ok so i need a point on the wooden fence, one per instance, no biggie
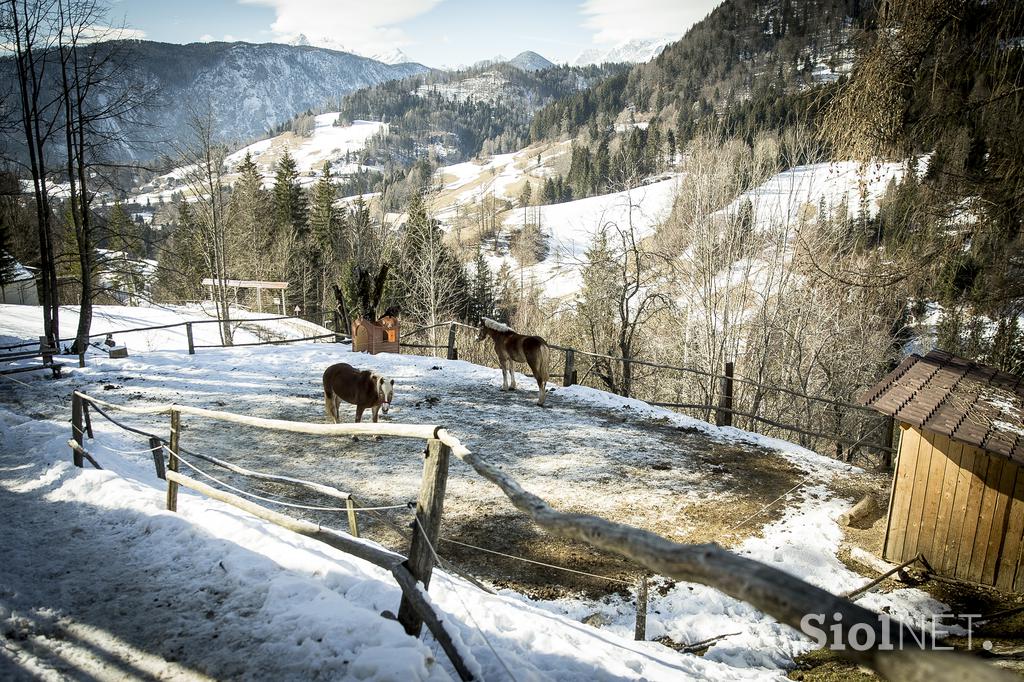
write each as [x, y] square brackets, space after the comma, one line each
[775, 592]
[866, 430]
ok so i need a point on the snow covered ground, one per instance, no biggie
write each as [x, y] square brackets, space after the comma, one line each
[123, 588]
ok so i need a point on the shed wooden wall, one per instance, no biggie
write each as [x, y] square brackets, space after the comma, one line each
[960, 507]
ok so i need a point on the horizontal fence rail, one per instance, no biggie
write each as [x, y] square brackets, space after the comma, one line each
[777, 593]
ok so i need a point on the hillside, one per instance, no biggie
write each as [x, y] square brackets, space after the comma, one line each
[250, 89]
[246, 582]
[746, 65]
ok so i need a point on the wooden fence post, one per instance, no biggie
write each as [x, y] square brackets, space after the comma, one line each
[172, 460]
[428, 522]
[191, 343]
[337, 326]
[76, 429]
[723, 416]
[158, 457]
[44, 348]
[353, 524]
[81, 359]
[640, 629]
[569, 376]
[453, 352]
[88, 419]
[887, 440]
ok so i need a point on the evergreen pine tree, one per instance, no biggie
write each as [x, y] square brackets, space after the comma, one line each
[482, 299]
[289, 206]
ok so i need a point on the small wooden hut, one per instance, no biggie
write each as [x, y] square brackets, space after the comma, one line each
[958, 490]
[376, 337]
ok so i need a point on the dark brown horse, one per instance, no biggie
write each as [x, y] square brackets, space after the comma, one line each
[362, 388]
[512, 346]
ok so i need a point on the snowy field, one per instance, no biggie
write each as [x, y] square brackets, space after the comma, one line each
[123, 588]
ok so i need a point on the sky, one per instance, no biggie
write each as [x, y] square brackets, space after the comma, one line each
[434, 32]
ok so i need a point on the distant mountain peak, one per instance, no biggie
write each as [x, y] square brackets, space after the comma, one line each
[393, 56]
[530, 61]
[636, 51]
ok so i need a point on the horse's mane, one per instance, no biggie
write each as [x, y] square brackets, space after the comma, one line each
[496, 326]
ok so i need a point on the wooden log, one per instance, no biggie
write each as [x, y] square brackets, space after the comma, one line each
[379, 557]
[422, 431]
[640, 628]
[172, 461]
[191, 342]
[853, 594]
[158, 457]
[76, 429]
[863, 514]
[75, 447]
[353, 524]
[429, 507]
[777, 593]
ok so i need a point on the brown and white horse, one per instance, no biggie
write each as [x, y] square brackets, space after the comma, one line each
[512, 346]
[362, 388]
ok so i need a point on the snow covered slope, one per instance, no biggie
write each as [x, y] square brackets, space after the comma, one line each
[213, 592]
[327, 142]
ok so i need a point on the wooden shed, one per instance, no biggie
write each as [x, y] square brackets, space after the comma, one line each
[958, 490]
[376, 337]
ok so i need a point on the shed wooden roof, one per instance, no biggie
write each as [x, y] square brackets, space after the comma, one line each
[963, 400]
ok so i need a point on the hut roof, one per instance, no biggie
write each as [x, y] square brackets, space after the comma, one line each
[963, 400]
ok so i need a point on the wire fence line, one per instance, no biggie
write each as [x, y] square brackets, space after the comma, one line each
[728, 399]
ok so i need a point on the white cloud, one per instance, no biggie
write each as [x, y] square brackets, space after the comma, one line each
[228, 38]
[206, 38]
[614, 21]
[366, 27]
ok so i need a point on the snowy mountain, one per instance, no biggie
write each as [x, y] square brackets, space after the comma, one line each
[530, 61]
[633, 52]
[394, 56]
[248, 88]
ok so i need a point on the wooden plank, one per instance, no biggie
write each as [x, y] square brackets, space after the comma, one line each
[942, 546]
[1009, 560]
[899, 510]
[964, 476]
[1000, 521]
[429, 508]
[970, 526]
[926, 544]
[918, 495]
[985, 519]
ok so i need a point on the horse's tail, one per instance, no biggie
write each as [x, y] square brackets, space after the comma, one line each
[543, 365]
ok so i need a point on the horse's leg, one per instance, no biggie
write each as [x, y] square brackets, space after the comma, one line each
[502, 362]
[512, 374]
[329, 408]
[359, 417]
[376, 408]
